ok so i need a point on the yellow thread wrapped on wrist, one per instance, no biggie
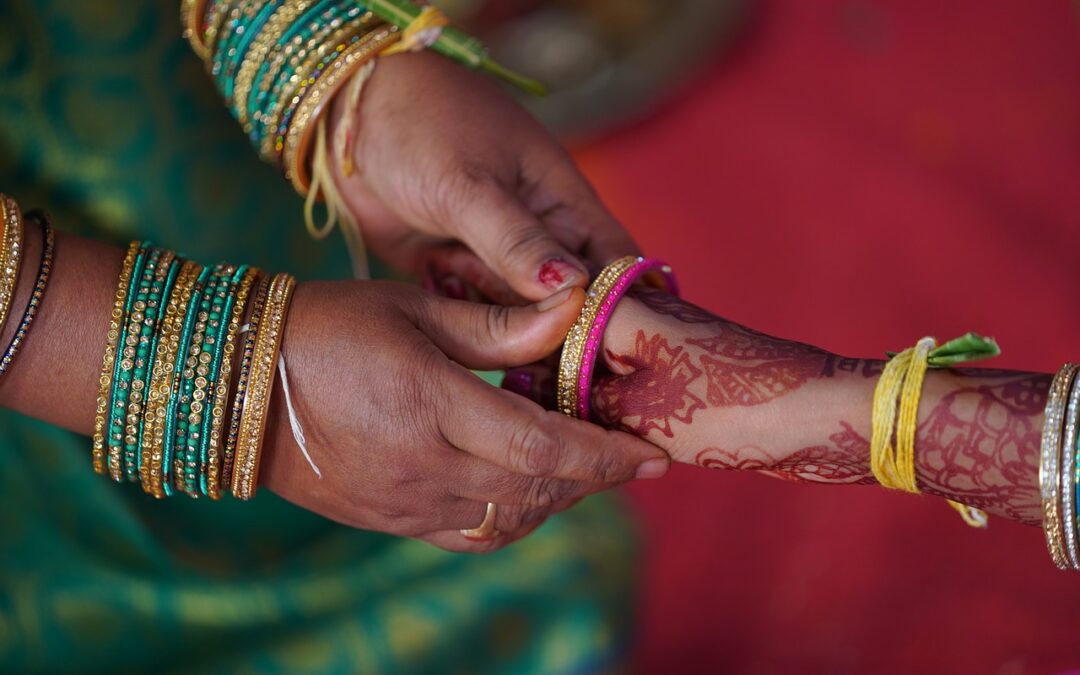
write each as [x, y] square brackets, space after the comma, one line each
[896, 408]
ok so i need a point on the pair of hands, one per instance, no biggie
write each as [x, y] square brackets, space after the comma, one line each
[456, 183]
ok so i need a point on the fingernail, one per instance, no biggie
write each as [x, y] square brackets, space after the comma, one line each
[553, 301]
[453, 288]
[557, 273]
[654, 468]
[519, 382]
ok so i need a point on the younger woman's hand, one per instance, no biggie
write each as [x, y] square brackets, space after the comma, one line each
[412, 443]
[454, 178]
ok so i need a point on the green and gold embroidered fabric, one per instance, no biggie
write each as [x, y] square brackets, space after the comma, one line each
[108, 120]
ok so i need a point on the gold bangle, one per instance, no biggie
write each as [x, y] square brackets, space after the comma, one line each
[260, 387]
[109, 360]
[215, 19]
[163, 380]
[574, 348]
[1050, 463]
[306, 118]
[257, 54]
[221, 388]
[303, 77]
[190, 12]
[11, 247]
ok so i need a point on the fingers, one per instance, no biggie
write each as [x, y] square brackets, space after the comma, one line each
[515, 244]
[521, 437]
[483, 481]
[492, 337]
[511, 523]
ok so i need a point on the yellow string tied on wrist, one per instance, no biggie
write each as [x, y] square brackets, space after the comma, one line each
[896, 411]
[421, 33]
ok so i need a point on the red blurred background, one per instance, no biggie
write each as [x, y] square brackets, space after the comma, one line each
[856, 175]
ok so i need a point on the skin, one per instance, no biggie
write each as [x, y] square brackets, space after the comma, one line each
[408, 440]
[456, 182]
[721, 396]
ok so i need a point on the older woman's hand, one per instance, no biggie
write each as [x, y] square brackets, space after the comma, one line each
[444, 158]
[412, 443]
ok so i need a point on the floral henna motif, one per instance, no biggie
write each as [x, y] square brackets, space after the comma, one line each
[746, 368]
[656, 393]
[980, 446]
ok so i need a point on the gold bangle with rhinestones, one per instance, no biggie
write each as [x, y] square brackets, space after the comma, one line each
[574, 348]
[260, 387]
[109, 360]
[163, 379]
[215, 19]
[302, 126]
[221, 389]
[1050, 463]
[11, 247]
[265, 42]
[303, 76]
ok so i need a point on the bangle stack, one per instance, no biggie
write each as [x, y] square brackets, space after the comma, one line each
[11, 247]
[166, 374]
[278, 62]
[1059, 470]
[578, 359]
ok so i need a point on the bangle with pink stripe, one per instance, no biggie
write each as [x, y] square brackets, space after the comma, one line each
[660, 275]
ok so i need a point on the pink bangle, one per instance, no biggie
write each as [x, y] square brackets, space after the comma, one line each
[578, 359]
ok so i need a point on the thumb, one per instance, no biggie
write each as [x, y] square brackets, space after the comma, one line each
[493, 337]
[515, 244]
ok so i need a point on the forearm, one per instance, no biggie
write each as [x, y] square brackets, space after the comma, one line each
[718, 395]
[55, 375]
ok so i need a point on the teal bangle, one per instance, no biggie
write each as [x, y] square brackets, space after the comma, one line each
[144, 327]
[121, 420]
[270, 69]
[115, 433]
[220, 314]
[239, 14]
[155, 310]
[193, 401]
[302, 37]
[172, 421]
[236, 56]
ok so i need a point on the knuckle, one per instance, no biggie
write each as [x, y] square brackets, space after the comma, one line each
[535, 451]
[548, 492]
[519, 243]
[498, 322]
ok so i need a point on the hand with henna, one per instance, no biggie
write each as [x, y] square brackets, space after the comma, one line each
[722, 396]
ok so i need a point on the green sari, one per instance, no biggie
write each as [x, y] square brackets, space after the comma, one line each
[109, 121]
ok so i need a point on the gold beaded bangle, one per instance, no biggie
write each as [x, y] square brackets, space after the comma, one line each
[191, 12]
[260, 387]
[215, 19]
[574, 348]
[163, 380]
[1050, 463]
[257, 53]
[11, 247]
[221, 389]
[303, 77]
[305, 120]
[109, 360]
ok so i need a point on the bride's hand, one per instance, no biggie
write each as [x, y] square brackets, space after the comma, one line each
[411, 443]
[719, 395]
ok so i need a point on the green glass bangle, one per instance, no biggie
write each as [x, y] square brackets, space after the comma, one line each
[236, 56]
[129, 350]
[303, 36]
[193, 403]
[239, 14]
[172, 419]
[269, 70]
[155, 311]
[221, 316]
[143, 327]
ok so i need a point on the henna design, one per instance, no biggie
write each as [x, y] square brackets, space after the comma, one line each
[670, 305]
[845, 460]
[655, 394]
[747, 368]
[838, 364]
[980, 446]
